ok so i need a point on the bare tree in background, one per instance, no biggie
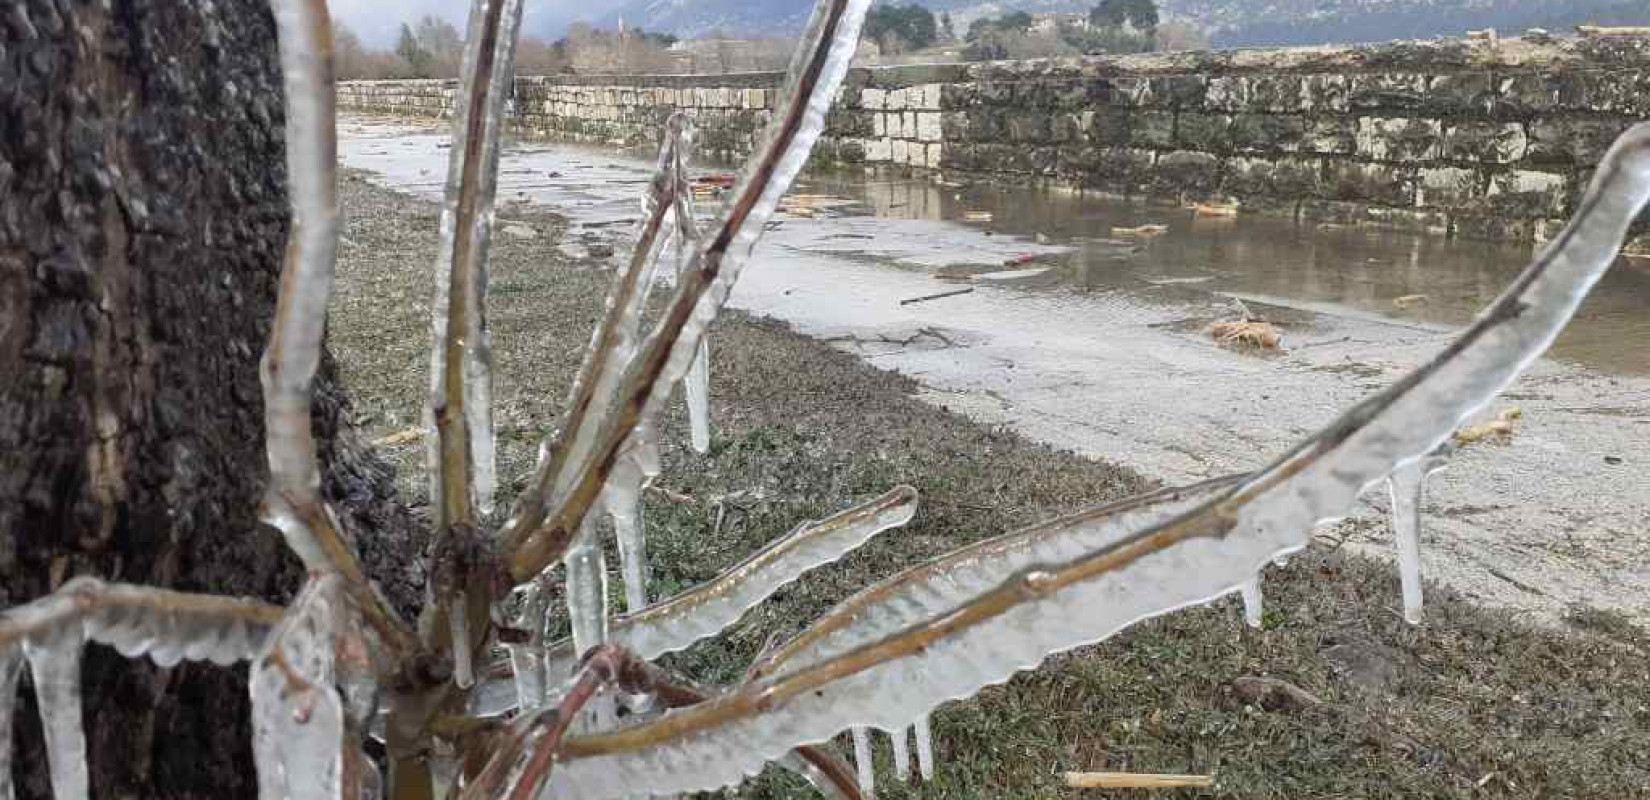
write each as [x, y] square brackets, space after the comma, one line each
[1179, 34]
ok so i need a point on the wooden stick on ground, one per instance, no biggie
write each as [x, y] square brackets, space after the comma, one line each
[1135, 780]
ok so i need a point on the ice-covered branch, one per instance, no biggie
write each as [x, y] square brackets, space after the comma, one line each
[669, 350]
[292, 502]
[459, 412]
[50, 633]
[612, 347]
[1191, 558]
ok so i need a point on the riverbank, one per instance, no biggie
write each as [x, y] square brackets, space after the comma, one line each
[1475, 702]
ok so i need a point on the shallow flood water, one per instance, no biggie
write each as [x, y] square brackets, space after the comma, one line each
[1093, 340]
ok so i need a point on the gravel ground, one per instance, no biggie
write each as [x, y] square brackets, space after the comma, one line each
[1474, 703]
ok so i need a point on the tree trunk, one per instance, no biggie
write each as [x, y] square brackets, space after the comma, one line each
[142, 223]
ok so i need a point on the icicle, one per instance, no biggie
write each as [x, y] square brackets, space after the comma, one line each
[862, 763]
[1252, 609]
[697, 383]
[586, 593]
[54, 663]
[457, 617]
[706, 610]
[901, 740]
[1407, 487]
[527, 659]
[297, 714]
[925, 748]
[626, 511]
[11, 668]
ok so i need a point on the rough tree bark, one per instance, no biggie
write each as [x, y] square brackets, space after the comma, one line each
[142, 223]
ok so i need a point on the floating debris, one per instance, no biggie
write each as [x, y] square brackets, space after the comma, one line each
[925, 298]
[1250, 333]
[1498, 430]
[1141, 231]
[977, 216]
[1410, 301]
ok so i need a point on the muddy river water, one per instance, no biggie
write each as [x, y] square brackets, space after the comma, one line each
[1085, 334]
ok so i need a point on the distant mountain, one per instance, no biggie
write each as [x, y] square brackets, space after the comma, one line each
[1232, 23]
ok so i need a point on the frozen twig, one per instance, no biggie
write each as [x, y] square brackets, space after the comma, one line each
[292, 503]
[669, 350]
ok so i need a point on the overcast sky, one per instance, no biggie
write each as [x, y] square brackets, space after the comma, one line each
[378, 21]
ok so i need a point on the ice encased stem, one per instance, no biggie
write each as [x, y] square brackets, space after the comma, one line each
[297, 713]
[1253, 609]
[54, 663]
[460, 353]
[527, 659]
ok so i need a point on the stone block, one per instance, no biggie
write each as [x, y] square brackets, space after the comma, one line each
[935, 155]
[875, 99]
[1449, 187]
[1153, 129]
[1180, 92]
[1529, 194]
[959, 95]
[898, 151]
[1399, 139]
[1486, 142]
[1111, 126]
[931, 97]
[954, 126]
[1188, 171]
[1207, 132]
[1327, 92]
[1267, 133]
[879, 125]
[1387, 91]
[928, 126]
[1383, 184]
[1277, 94]
[1461, 94]
[1282, 180]
[1331, 136]
[995, 93]
[879, 149]
[1227, 93]
[1570, 141]
[1030, 127]
[895, 100]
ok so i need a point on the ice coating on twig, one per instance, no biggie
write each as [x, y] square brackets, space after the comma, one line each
[863, 764]
[706, 610]
[696, 384]
[624, 505]
[1407, 486]
[936, 586]
[459, 413]
[901, 741]
[164, 625]
[294, 348]
[925, 748]
[11, 669]
[54, 664]
[297, 713]
[1191, 559]
[1253, 608]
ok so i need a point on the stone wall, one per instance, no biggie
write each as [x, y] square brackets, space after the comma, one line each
[1478, 138]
